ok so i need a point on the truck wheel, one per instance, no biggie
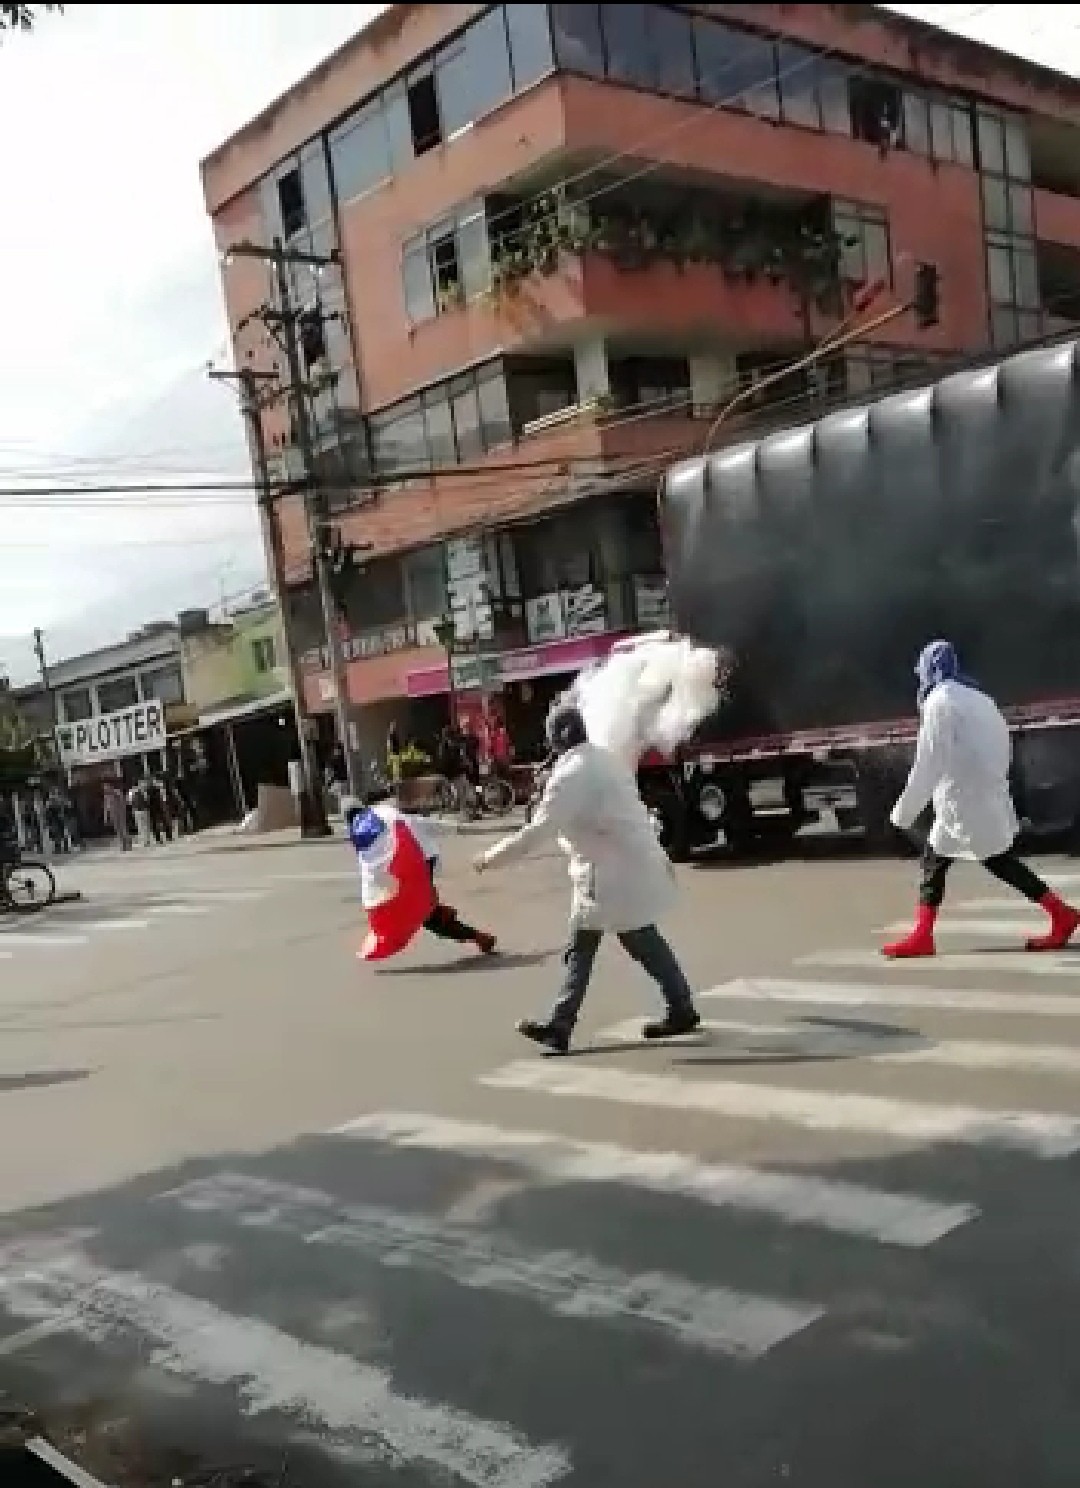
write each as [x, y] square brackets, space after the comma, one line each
[668, 815]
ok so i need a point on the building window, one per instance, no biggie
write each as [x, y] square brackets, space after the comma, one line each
[671, 37]
[876, 109]
[863, 231]
[291, 203]
[399, 438]
[122, 692]
[360, 152]
[736, 67]
[626, 37]
[538, 387]
[798, 86]
[454, 422]
[579, 46]
[165, 685]
[651, 382]
[1012, 273]
[531, 54]
[447, 264]
[473, 73]
[425, 583]
[76, 704]
[264, 654]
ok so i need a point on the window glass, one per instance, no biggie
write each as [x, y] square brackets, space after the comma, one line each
[399, 134]
[425, 583]
[77, 704]
[629, 56]
[999, 274]
[291, 202]
[1003, 325]
[1021, 214]
[166, 685]
[376, 594]
[466, 408]
[440, 428]
[473, 74]
[1017, 158]
[122, 692]
[1026, 279]
[398, 438]
[798, 85]
[1028, 324]
[876, 245]
[991, 144]
[672, 39]
[445, 271]
[995, 204]
[494, 408]
[530, 42]
[539, 386]
[963, 147]
[578, 45]
[833, 83]
[315, 181]
[425, 121]
[736, 67]
[360, 153]
[941, 135]
[474, 249]
[916, 123]
[416, 277]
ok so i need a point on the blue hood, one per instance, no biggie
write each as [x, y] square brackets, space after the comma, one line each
[365, 829]
[939, 663]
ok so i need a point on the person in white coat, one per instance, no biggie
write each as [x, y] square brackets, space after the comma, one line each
[961, 765]
[621, 877]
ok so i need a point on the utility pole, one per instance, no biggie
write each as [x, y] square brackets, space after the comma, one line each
[283, 322]
[313, 821]
[46, 688]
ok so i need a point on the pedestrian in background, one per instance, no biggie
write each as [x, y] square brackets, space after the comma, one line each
[115, 809]
[139, 801]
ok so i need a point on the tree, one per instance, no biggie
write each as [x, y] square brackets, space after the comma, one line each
[22, 17]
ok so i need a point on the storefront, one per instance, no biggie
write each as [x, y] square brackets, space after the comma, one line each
[525, 682]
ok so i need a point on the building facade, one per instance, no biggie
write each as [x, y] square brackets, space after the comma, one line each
[567, 235]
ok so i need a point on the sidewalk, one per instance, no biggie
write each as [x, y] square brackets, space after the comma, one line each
[230, 838]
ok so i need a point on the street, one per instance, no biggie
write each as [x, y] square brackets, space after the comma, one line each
[265, 1205]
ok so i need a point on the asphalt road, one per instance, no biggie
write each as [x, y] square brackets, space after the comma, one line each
[262, 1204]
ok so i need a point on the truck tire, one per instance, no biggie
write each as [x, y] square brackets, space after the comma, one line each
[668, 813]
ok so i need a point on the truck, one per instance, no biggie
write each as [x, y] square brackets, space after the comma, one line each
[823, 557]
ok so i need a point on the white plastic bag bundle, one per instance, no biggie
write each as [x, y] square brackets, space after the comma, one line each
[650, 695]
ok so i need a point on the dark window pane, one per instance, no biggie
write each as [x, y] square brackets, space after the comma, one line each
[466, 419]
[833, 92]
[445, 269]
[77, 705]
[1021, 210]
[876, 241]
[440, 429]
[995, 204]
[120, 693]
[425, 580]
[539, 386]
[798, 85]
[916, 123]
[629, 57]
[315, 181]
[398, 126]
[474, 250]
[578, 46]
[1026, 279]
[494, 409]
[291, 202]
[530, 42]
[672, 39]
[736, 67]
[1003, 325]
[360, 153]
[1017, 158]
[474, 73]
[991, 144]
[999, 275]
[963, 148]
[941, 134]
[1028, 324]
[416, 277]
[399, 440]
[425, 122]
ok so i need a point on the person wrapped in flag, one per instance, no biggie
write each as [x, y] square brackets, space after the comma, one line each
[398, 859]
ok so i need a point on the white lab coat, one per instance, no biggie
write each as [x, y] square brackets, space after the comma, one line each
[962, 765]
[622, 879]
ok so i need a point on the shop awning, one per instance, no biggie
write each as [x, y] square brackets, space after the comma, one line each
[237, 710]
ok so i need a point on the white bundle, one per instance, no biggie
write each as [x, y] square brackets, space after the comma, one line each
[651, 695]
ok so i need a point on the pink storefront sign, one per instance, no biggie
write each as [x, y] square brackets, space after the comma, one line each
[519, 666]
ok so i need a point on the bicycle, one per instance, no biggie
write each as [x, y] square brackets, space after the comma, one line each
[26, 885]
[494, 796]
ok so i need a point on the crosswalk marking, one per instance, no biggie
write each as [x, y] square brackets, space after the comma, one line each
[846, 1208]
[568, 1284]
[1040, 1133]
[114, 924]
[271, 1371]
[1015, 928]
[988, 963]
[887, 1047]
[869, 994]
[178, 909]
[39, 940]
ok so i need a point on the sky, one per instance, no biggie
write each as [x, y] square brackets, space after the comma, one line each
[113, 308]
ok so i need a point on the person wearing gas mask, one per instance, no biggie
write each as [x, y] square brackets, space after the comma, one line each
[961, 765]
[621, 877]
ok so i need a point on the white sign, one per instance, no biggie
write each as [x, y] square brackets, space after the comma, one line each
[109, 736]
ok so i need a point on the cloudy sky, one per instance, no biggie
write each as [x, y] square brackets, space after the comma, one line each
[112, 308]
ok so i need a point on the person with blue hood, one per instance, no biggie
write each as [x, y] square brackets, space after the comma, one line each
[961, 765]
[621, 877]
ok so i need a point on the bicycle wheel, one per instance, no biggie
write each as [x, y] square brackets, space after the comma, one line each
[30, 886]
[497, 795]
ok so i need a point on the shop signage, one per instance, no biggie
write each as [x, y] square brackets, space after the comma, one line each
[475, 671]
[566, 614]
[109, 736]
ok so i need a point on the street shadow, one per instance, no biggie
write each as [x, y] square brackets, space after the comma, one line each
[500, 961]
[39, 1079]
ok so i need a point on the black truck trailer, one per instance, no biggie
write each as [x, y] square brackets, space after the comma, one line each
[824, 557]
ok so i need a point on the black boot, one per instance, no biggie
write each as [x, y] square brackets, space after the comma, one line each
[555, 1039]
[674, 1022]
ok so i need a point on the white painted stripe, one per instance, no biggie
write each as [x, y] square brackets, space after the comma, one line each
[227, 896]
[566, 1284]
[889, 1048]
[68, 1471]
[114, 924]
[1015, 929]
[864, 994]
[1041, 1133]
[178, 909]
[1062, 880]
[272, 1371]
[1006, 903]
[846, 1208]
[988, 963]
[44, 939]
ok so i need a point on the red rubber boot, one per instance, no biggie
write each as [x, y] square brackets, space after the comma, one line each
[1064, 922]
[920, 942]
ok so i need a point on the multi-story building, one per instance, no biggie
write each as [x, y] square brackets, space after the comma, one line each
[567, 234]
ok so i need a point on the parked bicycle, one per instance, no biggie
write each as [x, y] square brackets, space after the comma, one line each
[494, 796]
[26, 885]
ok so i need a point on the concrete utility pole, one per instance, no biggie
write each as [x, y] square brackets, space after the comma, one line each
[313, 821]
[283, 322]
[46, 686]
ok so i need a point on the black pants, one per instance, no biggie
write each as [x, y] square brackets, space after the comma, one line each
[443, 921]
[1005, 866]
